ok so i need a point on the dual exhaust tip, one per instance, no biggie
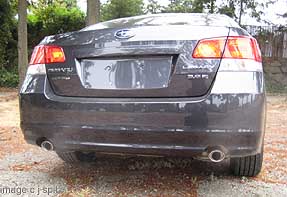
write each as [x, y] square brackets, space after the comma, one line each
[215, 154]
[47, 145]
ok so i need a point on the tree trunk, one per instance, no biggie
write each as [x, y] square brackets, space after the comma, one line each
[212, 6]
[22, 40]
[240, 12]
[93, 12]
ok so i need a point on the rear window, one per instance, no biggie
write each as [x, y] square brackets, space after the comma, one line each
[167, 19]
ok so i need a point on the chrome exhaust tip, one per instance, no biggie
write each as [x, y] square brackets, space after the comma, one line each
[47, 145]
[216, 156]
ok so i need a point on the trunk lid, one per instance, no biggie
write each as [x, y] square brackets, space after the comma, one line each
[156, 61]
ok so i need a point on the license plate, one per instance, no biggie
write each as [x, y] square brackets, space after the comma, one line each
[138, 73]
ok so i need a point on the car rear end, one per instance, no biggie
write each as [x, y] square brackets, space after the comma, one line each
[191, 87]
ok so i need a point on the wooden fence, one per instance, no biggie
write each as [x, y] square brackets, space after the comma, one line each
[272, 40]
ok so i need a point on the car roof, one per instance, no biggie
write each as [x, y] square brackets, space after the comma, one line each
[192, 19]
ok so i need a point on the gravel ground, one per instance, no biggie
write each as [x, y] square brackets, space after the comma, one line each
[30, 171]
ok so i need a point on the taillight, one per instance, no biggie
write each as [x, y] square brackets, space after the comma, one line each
[38, 55]
[236, 47]
[209, 48]
[45, 54]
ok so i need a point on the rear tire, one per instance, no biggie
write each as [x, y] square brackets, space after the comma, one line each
[247, 166]
[76, 156]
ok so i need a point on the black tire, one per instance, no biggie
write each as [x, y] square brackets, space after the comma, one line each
[76, 156]
[247, 166]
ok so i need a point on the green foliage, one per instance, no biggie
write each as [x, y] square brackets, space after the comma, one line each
[188, 6]
[250, 5]
[45, 17]
[42, 4]
[198, 6]
[8, 44]
[7, 34]
[210, 6]
[8, 78]
[228, 7]
[177, 6]
[121, 8]
[153, 7]
[233, 8]
[49, 18]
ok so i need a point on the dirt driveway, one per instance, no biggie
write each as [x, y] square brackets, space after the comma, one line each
[29, 171]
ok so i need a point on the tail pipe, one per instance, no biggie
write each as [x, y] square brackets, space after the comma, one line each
[216, 154]
[47, 145]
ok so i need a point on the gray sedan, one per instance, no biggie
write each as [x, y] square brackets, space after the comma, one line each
[163, 85]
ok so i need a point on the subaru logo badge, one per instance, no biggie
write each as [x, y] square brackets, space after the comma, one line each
[124, 34]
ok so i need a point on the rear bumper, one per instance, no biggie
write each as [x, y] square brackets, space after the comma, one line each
[178, 127]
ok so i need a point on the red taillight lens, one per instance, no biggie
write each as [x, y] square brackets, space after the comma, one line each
[237, 47]
[47, 54]
[209, 48]
[54, 54]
